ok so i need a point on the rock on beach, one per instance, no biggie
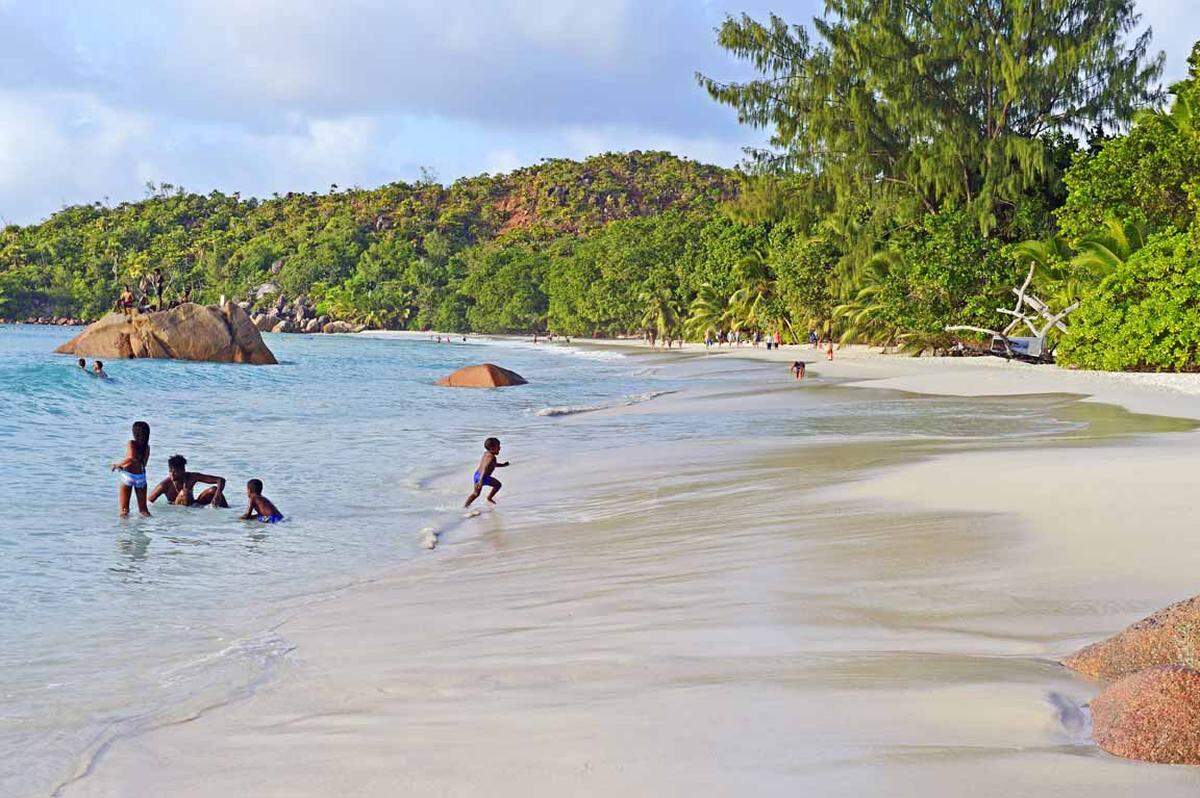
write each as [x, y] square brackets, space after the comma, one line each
[1170, 636]
[485, 375]
[221, 334]
[1152, 716]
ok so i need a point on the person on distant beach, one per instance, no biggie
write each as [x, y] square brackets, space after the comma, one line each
[132, 470]
[829, 348]
[98, 370]
[483, 475]
[180, 484]
[798, 369]
[812, 339]
[260, 507]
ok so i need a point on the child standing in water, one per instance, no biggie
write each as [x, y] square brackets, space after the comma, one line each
[261, 508]
[483, 475]
[132, 470]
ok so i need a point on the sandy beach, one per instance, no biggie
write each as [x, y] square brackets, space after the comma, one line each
[758, 619]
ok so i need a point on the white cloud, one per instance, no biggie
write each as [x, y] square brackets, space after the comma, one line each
[259, 96]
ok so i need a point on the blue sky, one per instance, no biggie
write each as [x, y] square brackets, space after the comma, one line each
[97, 98]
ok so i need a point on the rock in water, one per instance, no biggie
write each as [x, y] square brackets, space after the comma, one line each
[1153, 716]
[485, 375]
[1170, 636]
[222, 334]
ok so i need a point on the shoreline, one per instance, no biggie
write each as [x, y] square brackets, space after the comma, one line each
[426, 609]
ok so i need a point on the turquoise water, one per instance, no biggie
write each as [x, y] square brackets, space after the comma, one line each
[111, 625]
[107, 621]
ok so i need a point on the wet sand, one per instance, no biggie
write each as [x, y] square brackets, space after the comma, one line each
[859, 620]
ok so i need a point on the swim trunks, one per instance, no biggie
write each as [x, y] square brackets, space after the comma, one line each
[273, 518]
[490, 481]
[132, 480]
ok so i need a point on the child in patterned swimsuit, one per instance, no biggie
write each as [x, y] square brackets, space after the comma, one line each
[132, 470]
[261, 508]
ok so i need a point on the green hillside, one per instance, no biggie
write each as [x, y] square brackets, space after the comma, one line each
[401, 255]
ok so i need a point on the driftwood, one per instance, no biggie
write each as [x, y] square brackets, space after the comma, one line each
[1038, 311]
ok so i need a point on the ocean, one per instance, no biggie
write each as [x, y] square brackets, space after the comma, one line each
[113, 626]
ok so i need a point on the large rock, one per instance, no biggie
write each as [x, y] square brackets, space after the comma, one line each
[222, 334]
[338, 327]
[312, 326]
[284, 326]
[485, 375]
[1170, 636]
[1153, 715]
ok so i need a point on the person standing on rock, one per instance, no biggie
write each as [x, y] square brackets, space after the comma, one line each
[125, 302]
[156, 284]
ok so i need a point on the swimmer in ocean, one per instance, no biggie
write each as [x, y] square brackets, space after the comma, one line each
[180, 484]
[261, 508]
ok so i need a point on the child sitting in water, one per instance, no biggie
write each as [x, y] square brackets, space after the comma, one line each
[483, 475]
[132, 470]
[260, 506]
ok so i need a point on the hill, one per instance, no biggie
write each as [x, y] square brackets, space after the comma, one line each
[395, 256]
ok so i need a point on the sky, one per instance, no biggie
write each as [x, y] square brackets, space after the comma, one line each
[262, 96]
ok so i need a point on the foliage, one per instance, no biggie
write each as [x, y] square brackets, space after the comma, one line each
[937, 103]
[1145, 315]
[400, 255]
[1147, 176]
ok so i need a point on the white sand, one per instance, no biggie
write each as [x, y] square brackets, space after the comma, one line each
[736, 628]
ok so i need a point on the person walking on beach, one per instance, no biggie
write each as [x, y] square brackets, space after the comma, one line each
[829, 348]
[131, 472]
[180, 484]
[798, 369]
[483, 475]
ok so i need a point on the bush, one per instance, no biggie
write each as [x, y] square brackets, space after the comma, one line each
[1145, 316]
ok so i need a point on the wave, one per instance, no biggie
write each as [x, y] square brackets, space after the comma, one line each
[574, 410]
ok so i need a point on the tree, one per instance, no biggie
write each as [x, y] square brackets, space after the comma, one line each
[937, 102]
[1146, 176]
[711, 311]
[660, 314]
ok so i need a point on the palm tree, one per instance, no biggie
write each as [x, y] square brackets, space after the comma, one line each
[661, 312]
[1063, 276]
[863, 316]
[710, 312]
[1054, 278]
[1101, 253]
[753, 300]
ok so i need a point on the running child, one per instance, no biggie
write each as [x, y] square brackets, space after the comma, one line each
[261, 508]
[483, 475]
[132, 470]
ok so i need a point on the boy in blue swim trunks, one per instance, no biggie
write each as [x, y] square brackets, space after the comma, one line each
[261, 508]
[483, 475]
